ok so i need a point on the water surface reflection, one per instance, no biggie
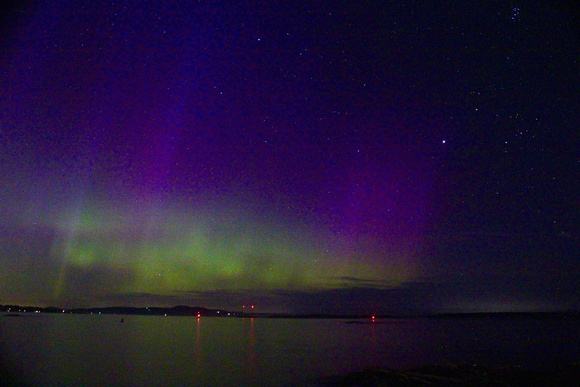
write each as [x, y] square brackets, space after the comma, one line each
[144, 350]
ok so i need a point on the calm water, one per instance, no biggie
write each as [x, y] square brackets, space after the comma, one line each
[100, 350]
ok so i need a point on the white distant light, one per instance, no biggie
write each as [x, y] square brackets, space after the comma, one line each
[443, 141]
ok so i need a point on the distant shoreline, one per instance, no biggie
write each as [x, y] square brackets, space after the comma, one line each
[457, 375]
[16, 310]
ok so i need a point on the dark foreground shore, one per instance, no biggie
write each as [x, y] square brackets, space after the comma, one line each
[435, 375]
[457, 375]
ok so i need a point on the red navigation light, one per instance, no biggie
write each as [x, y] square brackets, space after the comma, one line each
[198, 315]
[252, 306]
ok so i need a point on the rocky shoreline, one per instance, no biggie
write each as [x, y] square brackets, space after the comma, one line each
[457, 375]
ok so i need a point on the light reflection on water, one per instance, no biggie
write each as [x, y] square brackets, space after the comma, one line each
[143, 350]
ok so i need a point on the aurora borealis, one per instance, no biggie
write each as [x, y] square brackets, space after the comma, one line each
[305, 156]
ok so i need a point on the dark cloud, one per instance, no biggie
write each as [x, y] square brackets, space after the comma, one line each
[475, 294]
[84, 285]
[348, 281]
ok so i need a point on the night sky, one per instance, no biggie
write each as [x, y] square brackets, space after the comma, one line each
[302, 156]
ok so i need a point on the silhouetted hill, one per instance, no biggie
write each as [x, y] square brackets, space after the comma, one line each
[180, 310]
